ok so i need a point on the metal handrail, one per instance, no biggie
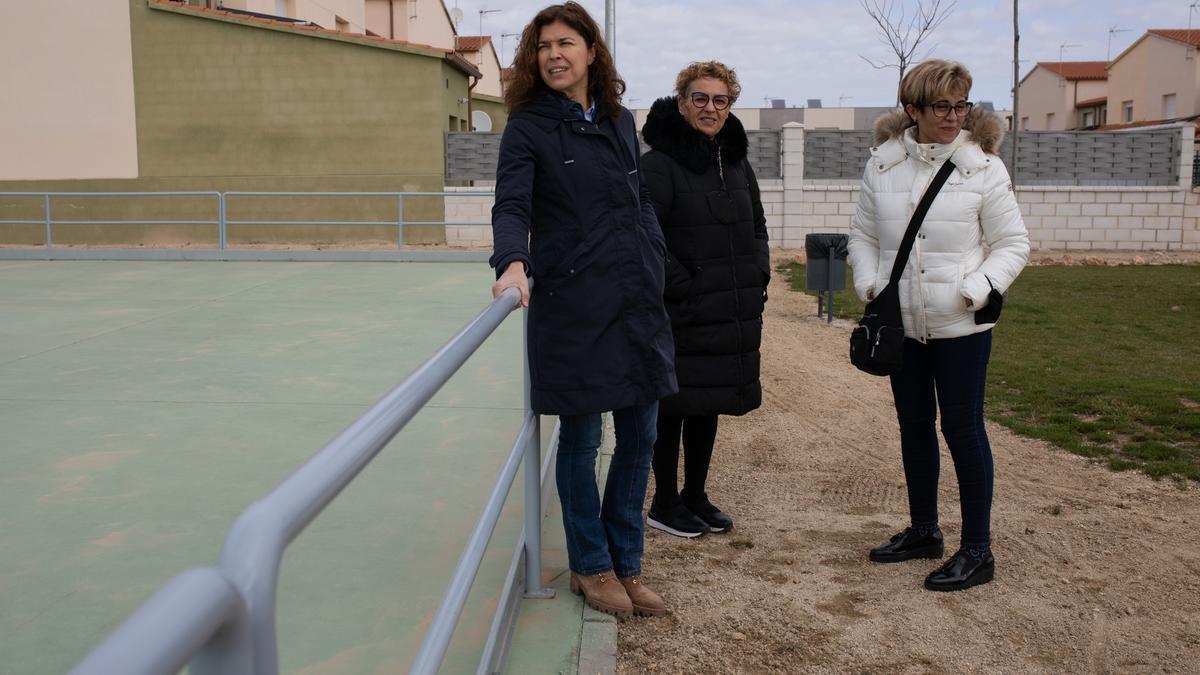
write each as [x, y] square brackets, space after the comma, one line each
[222, 220]
[224, 619]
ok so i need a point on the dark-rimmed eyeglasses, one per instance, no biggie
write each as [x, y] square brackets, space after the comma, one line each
[701, 99]
[943, 108]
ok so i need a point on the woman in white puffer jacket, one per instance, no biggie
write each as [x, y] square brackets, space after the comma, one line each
[972, 240]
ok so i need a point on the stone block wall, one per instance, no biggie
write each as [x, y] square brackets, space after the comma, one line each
[1059, 217]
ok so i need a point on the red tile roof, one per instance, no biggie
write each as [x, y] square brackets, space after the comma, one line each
[470, 43]
[1077, 70]
[1190, 37]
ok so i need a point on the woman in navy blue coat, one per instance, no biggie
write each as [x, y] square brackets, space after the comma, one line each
[573, 212]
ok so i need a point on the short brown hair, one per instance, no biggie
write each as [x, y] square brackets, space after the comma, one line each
[931, 79]
[713, 69]
[524, 81]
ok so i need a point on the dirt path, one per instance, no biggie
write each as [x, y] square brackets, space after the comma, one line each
[1096, 571]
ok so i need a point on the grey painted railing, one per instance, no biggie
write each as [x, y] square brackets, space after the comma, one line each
[222, 222]
[222, 620]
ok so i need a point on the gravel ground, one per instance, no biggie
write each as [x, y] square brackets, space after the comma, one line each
[1096, 571]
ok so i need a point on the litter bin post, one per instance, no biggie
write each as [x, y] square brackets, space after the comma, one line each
[827, 254]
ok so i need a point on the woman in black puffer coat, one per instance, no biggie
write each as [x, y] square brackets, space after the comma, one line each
[707, 200]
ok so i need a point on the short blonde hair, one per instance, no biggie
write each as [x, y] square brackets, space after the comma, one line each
[713, 69]
[932, 79]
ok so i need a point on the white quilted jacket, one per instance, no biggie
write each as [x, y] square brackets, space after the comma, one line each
[949, 262]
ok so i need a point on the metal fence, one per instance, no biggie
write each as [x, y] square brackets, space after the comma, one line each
[1120, 158]
[221, 621]
[217, 205]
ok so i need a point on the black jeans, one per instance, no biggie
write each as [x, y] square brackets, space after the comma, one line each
[949, 374]
[699, 434]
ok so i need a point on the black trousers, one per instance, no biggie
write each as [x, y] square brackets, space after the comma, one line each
[698, 435]
[949, 375]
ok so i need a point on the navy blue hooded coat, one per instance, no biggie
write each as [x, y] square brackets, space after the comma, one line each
[571, 204]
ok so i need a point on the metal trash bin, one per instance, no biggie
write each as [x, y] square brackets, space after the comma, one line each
[827, 254]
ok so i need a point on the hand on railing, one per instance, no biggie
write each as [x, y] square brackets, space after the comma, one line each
[513, 277]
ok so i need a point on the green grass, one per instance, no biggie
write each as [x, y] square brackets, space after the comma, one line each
[1101, 361]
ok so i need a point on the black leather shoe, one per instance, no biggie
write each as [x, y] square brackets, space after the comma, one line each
[962, 571]
[717, 520]
[908, 545]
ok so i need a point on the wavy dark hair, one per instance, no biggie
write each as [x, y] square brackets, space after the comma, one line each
[524, 82]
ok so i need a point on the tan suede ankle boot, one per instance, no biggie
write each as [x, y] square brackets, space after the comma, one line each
[603, 593]
[645, 601]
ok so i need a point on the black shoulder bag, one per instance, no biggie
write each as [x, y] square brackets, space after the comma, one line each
[877, 343]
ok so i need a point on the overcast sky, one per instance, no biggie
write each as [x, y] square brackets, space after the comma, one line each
[802, 49]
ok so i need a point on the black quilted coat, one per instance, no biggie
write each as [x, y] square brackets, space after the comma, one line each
[707, 200]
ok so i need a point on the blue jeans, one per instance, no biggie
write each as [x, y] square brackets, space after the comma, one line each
[609, 536]
[949, 374]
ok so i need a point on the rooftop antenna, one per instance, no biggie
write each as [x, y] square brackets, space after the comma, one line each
[485, 11]
[456, 15]
[1062, 82]
[1114, 29]
[1191, 9]
[843, 98]
[503, 36]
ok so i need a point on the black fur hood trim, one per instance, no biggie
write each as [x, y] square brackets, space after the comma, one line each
[667, 131]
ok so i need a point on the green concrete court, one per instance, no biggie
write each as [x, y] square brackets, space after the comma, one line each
[143, 405]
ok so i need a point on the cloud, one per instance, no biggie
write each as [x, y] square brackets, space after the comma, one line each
[813, 49]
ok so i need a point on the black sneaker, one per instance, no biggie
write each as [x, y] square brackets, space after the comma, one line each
[908, 545]
[717, 520]
[962, 571]
[675, 519]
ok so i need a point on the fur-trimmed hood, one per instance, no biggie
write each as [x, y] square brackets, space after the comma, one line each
[986, 130]
[667, 131]
[973, 151]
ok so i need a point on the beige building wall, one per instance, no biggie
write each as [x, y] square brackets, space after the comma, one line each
[427, 24]
[489, 64]
[1045, 94]
[749, 117]
[1148, 71]
[829, 118]
[84, 126]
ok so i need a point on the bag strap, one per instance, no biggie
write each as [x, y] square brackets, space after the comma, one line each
[918, 216]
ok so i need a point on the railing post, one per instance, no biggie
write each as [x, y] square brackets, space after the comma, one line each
[533, 486]
[221, 227]
[49, 243]
[400, 222]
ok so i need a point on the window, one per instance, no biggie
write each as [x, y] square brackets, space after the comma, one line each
[1024, 123]
[1089, 118]
[1127, 111]
[1168, 106]
[1049, 121]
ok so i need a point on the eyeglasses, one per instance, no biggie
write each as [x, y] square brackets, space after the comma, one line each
[943, 108]
[701, 99]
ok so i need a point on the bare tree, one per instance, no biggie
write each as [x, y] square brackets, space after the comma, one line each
[902, 31]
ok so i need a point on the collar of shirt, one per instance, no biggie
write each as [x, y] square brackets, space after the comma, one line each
[573, 107]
